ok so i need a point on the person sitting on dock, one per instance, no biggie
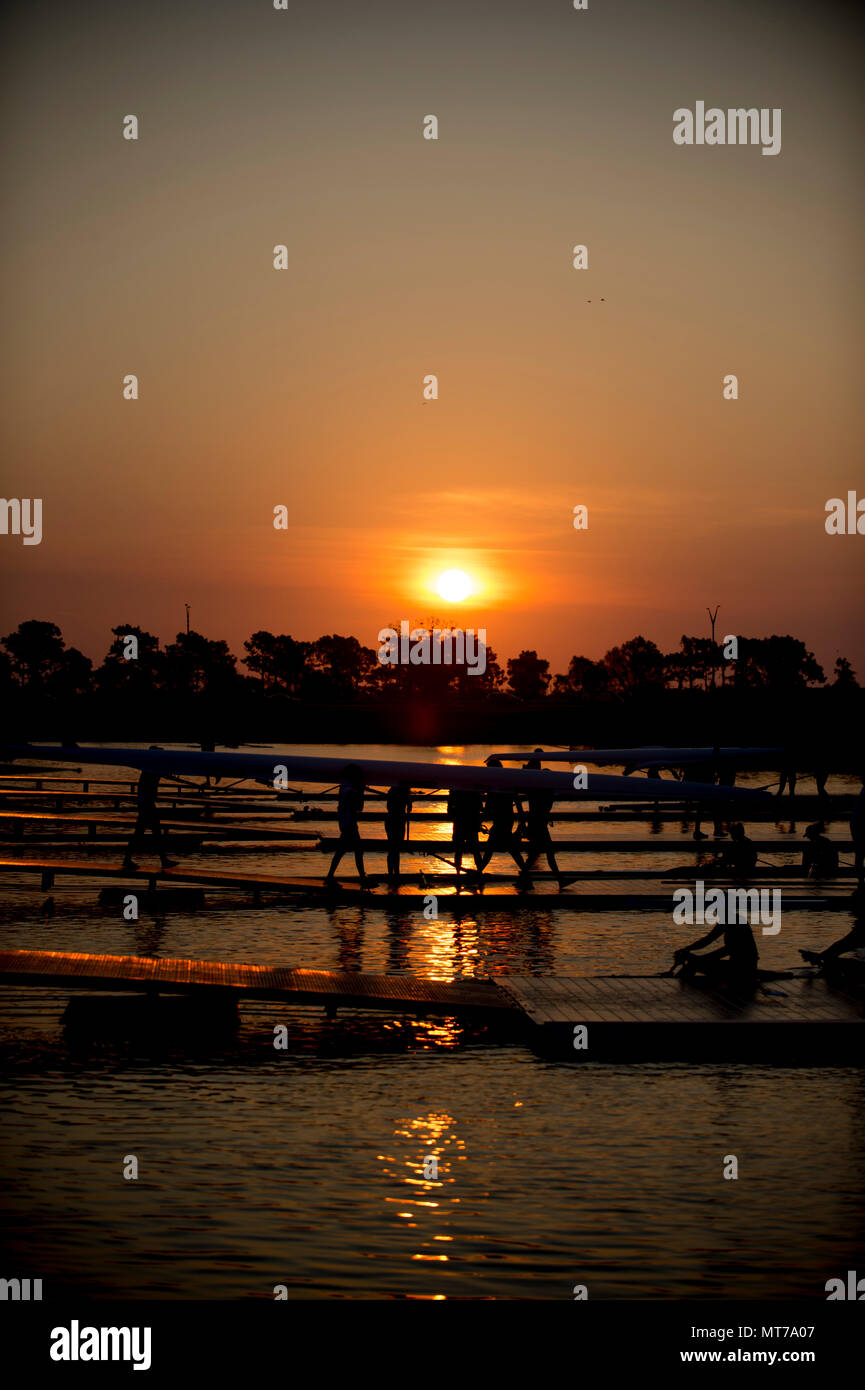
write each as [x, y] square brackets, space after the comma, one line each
[499, 811]
[349, 807]
[854, 940]
[820, 855]
[536, 820]
[735, 962]
[147, 819]
[395, 824]
[464, 811]
[739, 858]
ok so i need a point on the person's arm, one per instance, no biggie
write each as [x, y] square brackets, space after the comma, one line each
[706, 940]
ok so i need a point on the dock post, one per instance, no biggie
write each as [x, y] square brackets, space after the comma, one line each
[47, 878]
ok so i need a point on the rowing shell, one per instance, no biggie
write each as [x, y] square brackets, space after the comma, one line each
[265, 767]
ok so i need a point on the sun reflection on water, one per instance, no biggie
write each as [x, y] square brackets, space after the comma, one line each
[426, 1144]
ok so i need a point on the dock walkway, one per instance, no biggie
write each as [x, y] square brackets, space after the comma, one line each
[791, 1020]
[596, 893]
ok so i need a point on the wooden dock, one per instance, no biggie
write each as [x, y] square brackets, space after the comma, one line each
[789, 1020]
[637, 1019]
[659, 844]
[88, 821]
[583, 892]
[330, 989]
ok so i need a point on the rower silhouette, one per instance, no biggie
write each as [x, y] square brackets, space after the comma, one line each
[395, 824]
[820, 855]
[464, 812]
[740, 857]
[734, 963]
[499, 810]
[536, 820]
[147, 819]
[701, 772]
[854, 940]
[349, 807]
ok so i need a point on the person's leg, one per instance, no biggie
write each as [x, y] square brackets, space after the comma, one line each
[337, 856]
[548, 849]
[457, 847]
[533, 849]
[134, 839]
[160, 841]
[707, 964]
[515, 854]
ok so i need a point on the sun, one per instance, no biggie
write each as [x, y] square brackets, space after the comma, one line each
[453, 586]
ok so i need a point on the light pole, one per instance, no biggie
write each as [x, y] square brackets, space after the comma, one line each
[186, 606]
[712, 618]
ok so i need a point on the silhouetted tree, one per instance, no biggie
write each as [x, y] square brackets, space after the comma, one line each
[780, 663]
[194, 663]
[583, 677]
[279, 661]
[528, 675]
[339, 667]
[36, 652]
[636, 665]
[845, 676]
[136, 677]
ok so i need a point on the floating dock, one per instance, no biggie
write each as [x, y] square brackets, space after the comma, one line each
[609, 1018]
[594, 892]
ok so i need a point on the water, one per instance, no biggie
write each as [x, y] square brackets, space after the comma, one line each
[305, 1167]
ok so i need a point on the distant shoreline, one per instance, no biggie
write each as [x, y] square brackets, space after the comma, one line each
[822, 723]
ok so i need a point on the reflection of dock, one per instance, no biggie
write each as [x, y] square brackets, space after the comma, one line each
[791, 1020]
[583, 892]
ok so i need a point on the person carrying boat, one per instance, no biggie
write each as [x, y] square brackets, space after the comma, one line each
[820, 856]
[147, 819]
[499, 811]
[701, 772]
[536, 822]
[395, 822]
[735, 962]
[349, 807]
[464, 811]
[788, 778]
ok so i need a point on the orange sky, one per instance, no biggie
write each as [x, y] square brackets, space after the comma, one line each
[453, 257]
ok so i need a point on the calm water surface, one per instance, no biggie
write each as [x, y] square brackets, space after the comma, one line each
[305, 1167]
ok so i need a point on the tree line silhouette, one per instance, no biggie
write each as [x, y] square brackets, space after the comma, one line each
[35, 662]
